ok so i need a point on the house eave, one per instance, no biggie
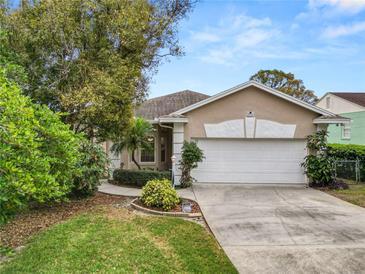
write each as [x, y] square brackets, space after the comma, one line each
[227, 92]
[173, 120]
[334, 120]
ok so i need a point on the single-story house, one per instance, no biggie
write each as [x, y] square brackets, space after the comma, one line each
[352, 106]
[250, 134]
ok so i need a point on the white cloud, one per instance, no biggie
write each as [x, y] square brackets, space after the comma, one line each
[328, 9]
[231, 36]
[344, 30]
[244, 21]
[352, 6]
[218, 56]
[252, 38]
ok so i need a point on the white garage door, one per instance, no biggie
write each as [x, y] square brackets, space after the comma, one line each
[251, 161]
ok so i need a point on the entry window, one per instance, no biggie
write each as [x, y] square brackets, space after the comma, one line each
[328, 102]
[148, 155]
[346, 131]
[163, 149]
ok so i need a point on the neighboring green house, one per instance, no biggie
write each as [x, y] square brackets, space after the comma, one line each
[350, 105]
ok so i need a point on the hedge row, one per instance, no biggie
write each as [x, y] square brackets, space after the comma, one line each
[347, 152]
[138, 177]
[347, 170]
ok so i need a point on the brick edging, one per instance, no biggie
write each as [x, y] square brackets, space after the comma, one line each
[163, 213]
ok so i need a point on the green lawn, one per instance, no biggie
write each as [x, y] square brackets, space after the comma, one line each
[355, 194]
[117, 241]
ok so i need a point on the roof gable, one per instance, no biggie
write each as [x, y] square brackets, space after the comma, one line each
[257, 85]
[353, 97]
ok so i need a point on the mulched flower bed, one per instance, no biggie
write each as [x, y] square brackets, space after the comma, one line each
[194, 206]
[23, 226]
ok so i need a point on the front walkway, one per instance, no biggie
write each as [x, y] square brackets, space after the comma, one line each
[132, 191]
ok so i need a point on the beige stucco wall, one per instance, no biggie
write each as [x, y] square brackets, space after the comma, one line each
[126, 158]
[263, 104]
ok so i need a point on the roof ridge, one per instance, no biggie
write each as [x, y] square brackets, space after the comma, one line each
[174, 93]
[347, 92]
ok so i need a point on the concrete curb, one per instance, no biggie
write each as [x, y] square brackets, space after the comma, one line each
[171, 214]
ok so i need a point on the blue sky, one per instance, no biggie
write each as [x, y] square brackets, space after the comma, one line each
[321, 41]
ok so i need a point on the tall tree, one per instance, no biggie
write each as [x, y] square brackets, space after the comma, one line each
[93, 58]
[285, 82]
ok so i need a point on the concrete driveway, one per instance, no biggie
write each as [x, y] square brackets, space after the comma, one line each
[284, 230]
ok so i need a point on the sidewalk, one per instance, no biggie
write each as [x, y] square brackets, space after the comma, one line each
[107, 188]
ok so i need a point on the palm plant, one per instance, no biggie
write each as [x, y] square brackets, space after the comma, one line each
[135, 138]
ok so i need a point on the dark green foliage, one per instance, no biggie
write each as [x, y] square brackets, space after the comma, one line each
[319, 167]
[317, 142]
[190, 157]
[92, 167]
[9, 62]
[138, 177]
[160, 193]
[93, 59]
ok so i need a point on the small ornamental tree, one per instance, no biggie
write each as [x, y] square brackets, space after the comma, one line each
[319, 167]
[136, 138]
[190, 157]
[92, 166]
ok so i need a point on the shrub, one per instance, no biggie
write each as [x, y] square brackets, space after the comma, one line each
[319, 167]
[190, 157]
[92, 166]
[347, 151]
[138, 177]
[160, 193]
[38, 153]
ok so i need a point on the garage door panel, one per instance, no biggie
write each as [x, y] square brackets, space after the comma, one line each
[251, 178]
[251, 161]
[249, 166]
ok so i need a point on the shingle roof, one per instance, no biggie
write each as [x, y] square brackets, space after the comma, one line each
[164, 105]
[354, 97]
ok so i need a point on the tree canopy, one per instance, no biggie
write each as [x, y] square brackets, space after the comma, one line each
[93, 59]
[285, 82]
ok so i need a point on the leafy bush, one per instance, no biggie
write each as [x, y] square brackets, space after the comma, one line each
[138, 177]
[346, 152]
[160, 193]
[318, 167]
[92, 166]
[38, 153]
[190, 157]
